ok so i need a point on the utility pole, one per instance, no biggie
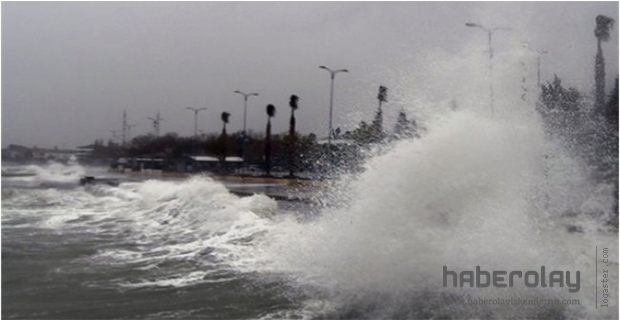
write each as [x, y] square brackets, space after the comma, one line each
[331, 99]
[489, 32]
[196, 119]
[156, 122]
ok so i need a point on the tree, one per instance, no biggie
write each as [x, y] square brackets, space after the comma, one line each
[405, 128]
[591, 137]
[362, 135]
[611, 109]
[603, 26]
[292, 136]
[611, 115]
[554, 97]
[271, 112]
[224, 116]
[560, 111]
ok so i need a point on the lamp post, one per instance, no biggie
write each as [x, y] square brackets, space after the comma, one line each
[245, 106]
[331, 99]
[539, 54]
[245, 117]
[196, 110]
[489, 32]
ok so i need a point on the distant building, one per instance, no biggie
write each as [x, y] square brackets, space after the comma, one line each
[141, 164]
[196, 163]
[85, 152]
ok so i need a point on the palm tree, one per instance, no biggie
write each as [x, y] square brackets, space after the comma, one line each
[292, 138]
[603, 26]
[271, 112]
[223, 138]
[225, 116]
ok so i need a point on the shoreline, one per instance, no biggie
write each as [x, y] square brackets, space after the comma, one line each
[273, 186]
[242, 179]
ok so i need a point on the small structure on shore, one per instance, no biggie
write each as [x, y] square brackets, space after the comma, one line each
[201, 163]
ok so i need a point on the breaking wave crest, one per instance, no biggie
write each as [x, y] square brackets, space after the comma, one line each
[52, 174]
[472, 191]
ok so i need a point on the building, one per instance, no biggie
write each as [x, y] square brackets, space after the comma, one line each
[197, 163]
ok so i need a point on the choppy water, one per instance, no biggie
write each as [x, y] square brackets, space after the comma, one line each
[144, 249]
[472, 191]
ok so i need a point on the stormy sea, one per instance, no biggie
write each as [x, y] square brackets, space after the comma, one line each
[471, 191]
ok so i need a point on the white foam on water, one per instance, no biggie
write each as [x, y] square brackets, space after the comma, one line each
[469, 193]
[52, 172]
[474, 190]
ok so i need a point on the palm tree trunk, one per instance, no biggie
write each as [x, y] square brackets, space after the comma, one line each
[292, 145]
[223, 142]
[268, 148]
[599, 78]
[380, 121]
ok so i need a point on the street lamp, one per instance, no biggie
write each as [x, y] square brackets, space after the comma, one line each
[489, 32]
[331, 99]
[245, 106]
[539, 54]
[196, 110]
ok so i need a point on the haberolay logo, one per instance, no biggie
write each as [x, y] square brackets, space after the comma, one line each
[502, 279]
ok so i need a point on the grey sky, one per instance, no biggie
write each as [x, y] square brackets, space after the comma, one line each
[69, 69]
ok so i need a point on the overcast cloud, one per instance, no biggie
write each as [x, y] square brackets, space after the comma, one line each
[69, 69]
